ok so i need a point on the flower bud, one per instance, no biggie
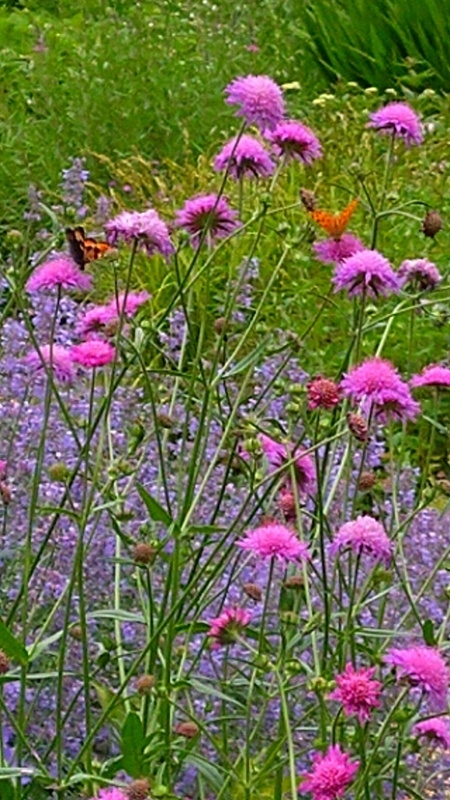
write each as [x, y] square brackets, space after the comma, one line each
[253, 591]
[187, 729]
[143, 554]
[139, 789]
[431, 224]
[145, 684]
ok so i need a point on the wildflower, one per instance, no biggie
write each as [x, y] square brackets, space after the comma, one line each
[187, 729]
[129, 303]
[333, 251]
[227, 626]
[357, 426]
[207, 216]
[73, 185]
[93, 353]
[322, 393]
[139, 789]
[364, 535]
[424, 667]
[59, 272]
[144, 554]
[377, 385]
[145, 227]
[3, 469]
[110, 794]
[419, 272]
[357, 691]
[274, 540]
[331, 775]
[259, 98]
[432, 224]
[294, 140]
[432, 375]
[435, 729]
[277, 454]
[100, 317]
[400, 120]
[244, 157]
[56, 358]
[366, 271]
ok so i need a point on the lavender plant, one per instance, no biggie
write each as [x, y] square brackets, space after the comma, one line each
[223, 575]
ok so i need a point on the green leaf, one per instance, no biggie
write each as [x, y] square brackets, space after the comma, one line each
[156, 511]
[133, 741]
[428, 633]
[11, 646]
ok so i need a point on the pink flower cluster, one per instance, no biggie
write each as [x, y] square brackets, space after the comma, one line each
[378, 388]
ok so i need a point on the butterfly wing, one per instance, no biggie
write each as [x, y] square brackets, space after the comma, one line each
[84, 250]
[334, 224]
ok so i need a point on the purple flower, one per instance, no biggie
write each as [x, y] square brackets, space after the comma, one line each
[295, 140]
[377, 385]
[432, 375]
[331, 775]
[259, 98]
[364, 535]
[357, 691]
[274, 540]
[420, 273]
[244, 156]
[423, 667]
[277, 454]
[366, 272]
[93, 353]
[58, 271]
[332, 251]
[56, 358]
[146, 227]
[208, 217]
[435, 729]
[73, 185]
[399, 120]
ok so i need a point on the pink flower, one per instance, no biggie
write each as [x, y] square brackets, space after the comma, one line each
[367, 271]
[208, 217]
[331, 775]
[274, 540]
[357, 691]
[227, 626]
[364, 535]
[110, 794]
[377, 385]
[277, 454]
[57, 358]
[399, 120]
[435, 729]
[93, 353]
[244, 157]
[333, 251]
[294, 140]
[322, 393]
[129, 304]
[420, 273]
[3, 469]
[58, 272]
[146, 227]
[259, 98]
[100, 317]
[423, 667]
[432, 375]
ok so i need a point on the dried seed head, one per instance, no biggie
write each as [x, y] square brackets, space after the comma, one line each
[358, 426]
[367, 481]
[187, 729]
[76, 632]
[286, 503]
[220, 325]
[294, 582]
[145, 684]
[165, 421]
[431, 224]
[139, 789]
[5, 493]
[143, 554]
[253, 590]
[4, 663]
[308, 199]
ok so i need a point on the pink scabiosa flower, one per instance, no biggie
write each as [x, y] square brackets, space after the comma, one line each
[110, 794]
[207, 217]
[244, 156]
[93, 353]
[56, 358]
[423, 667]
[331, 775]
[277, 454]
[377, 386]
[364, 536]
[295, 140]
[229, 624]
[58, 272]
[435, 729]
[367, 271]
[419, 273]
[399, 120]
[432, 375]
[322, 393]
[274, 540]
[3, 469]
[259, 98]
[96, 319]
[333, 251]
[146, 227]
[357, 691]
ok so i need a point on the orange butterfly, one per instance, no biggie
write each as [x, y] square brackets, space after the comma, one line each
[334, 224]
[84, 250]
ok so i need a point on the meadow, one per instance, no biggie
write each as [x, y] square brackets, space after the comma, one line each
[224, 470]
